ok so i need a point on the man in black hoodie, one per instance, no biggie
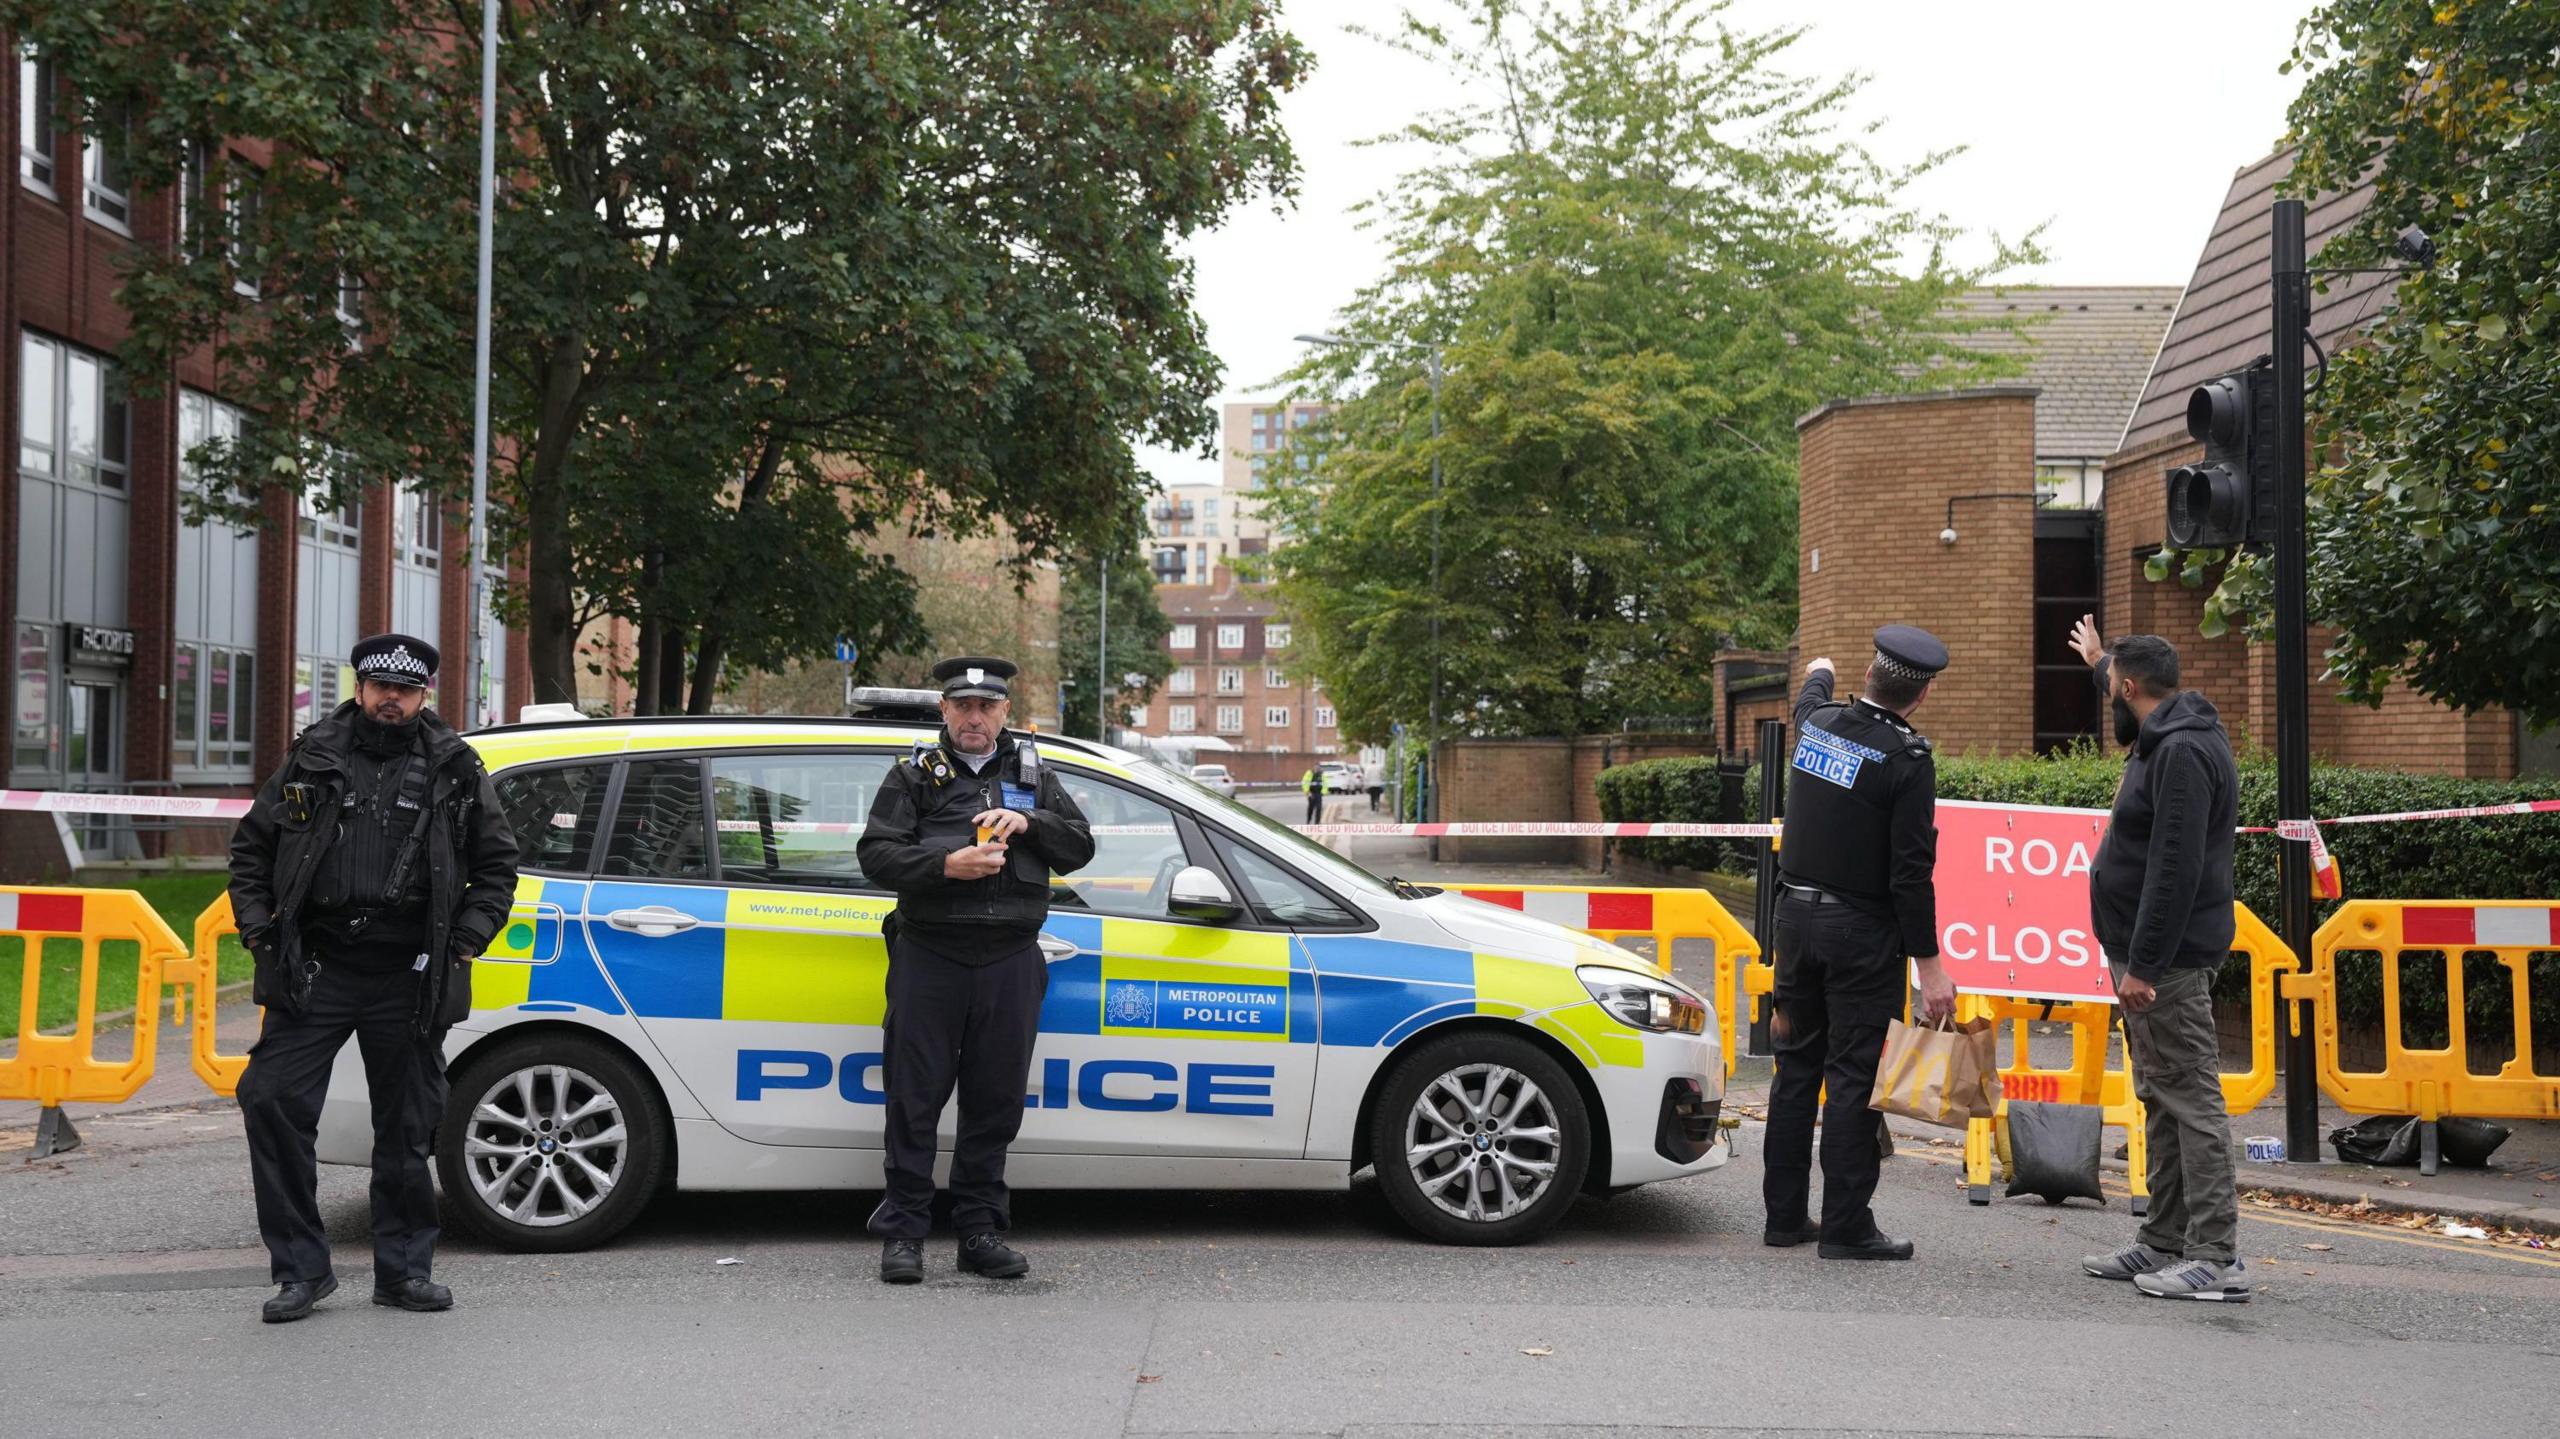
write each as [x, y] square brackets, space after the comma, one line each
[2160, 899]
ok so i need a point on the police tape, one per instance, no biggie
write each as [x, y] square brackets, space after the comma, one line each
[1537, 829]
[155, 806]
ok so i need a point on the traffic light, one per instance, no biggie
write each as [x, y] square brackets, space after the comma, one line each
[2228, 498]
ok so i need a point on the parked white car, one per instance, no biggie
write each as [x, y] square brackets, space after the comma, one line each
[1215, 779]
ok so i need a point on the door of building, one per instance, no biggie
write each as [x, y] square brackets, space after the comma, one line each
[93, 759]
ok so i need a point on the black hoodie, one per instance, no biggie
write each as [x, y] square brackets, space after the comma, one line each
[2160, 894]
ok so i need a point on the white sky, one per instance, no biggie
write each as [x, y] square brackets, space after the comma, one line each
[2118, 123]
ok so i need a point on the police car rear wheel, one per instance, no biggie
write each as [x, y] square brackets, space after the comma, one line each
[551, 1142]
[1480, 1139]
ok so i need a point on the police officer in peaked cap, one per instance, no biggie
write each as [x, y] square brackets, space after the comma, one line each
[966, 831]
[367, 874]
[1857, 896]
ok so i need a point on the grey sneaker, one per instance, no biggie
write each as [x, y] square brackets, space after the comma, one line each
[2129, 1262]
[2198, 1279]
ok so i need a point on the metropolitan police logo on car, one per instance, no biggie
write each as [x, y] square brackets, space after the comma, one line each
[1130, 1004]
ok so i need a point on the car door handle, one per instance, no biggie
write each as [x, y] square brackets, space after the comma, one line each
[656, 921]
[1054, 949]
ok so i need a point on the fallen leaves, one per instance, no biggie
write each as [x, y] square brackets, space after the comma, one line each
[2365, 1211]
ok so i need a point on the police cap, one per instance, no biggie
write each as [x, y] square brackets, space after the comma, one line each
[975, 676]
[1909, 652]
[395, 660]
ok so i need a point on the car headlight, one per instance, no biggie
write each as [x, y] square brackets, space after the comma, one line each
[1645, 1001]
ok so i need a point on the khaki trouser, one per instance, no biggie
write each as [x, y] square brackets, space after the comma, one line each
[2177, 1074]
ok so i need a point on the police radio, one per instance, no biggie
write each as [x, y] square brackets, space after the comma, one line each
[929, 758]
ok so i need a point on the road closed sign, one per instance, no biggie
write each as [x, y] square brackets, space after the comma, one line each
[2013, 900]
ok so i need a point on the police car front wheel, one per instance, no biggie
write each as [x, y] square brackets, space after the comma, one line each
[551, 1142]
[1480, 1138]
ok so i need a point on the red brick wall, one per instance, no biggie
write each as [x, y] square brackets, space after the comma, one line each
[1875, 479]
[1506, 779]
[2408, 732]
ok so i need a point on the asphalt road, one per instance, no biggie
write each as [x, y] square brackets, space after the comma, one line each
[130, 1278]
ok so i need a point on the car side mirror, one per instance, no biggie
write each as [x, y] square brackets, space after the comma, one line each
[1199, 894]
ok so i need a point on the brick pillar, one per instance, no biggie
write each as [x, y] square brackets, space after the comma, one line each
[373, 560]
[279, 550]
[151, 570]
[1875, 479]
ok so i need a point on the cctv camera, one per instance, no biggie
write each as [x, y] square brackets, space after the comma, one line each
[1947, 536]
[2414, 246]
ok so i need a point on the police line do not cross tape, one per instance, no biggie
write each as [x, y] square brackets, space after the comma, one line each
[208, 807]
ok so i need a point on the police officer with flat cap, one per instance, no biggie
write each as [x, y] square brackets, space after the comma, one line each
[1856, 897]
[967, 831]
[364, 878]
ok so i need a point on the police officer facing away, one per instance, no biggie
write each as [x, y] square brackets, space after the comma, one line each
[1858, 895]
[967, 831]
[366, 875]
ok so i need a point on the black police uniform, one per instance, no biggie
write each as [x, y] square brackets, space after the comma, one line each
[368, 872]
[1856, 864]
[966, 976]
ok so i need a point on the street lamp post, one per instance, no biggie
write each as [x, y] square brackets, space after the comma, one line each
[1432, 358]
[480, 691]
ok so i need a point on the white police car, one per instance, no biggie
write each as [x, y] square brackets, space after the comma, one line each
[690, 993]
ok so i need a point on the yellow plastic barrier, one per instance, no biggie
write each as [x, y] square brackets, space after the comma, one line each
[52, 1069]
[2089, 1080]
[1664, 916]
[219, 1071]
[2433, 1083]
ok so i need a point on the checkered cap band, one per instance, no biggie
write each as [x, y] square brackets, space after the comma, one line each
[1887, 664]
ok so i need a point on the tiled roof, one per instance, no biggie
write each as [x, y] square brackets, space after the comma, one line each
[2087, 350]
[1230, 601]
[2222, 322]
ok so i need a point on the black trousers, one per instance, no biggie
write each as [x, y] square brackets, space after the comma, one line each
[1315, 807]
[964, 1026]
[280, 1095]
[1840, 982]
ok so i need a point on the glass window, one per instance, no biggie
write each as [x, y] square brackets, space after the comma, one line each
[244, 734]
[35, 119]
[657, 829]
[1275, 634]
[243, 189]
[1324, 716]
[1275, 716]
[1137, 716]
[417, 525]
[1274, 679]
[1184, 636]
[554, 813]
[794, 819]
[95, 426]
[351, 308]
[193, 161]
[31, 709]
[1278, 896]
[1209, 509]
[1136, 850]
[1231, 719]
[1186, 681]
[1230, 681]
[1231, 637]
[1181, 719]
[337, 525]
[217, 703]
[106, 162]
[184, 714]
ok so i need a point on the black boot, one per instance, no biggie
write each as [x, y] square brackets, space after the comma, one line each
[902, 1261]
[1874, 1246]
[1789, 1236]
[988, 1254]
[418, 1296]
[295, 1297]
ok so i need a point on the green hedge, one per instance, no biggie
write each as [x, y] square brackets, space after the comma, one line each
[2512, 857]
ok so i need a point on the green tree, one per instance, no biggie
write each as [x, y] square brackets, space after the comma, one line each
[1135, 644]
[1643, 251]
[770, 273]
[2435, 531]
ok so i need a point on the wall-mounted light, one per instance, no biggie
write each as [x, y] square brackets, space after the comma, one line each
[1947, 536]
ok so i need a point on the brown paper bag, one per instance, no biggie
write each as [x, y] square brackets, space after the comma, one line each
[1943, 1074]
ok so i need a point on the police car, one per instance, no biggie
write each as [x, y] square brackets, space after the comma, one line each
[689, 994]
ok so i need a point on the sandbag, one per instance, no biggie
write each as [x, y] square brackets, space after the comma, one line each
[2053, 1150]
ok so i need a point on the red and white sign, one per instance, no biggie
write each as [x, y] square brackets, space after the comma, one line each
[2013, 900]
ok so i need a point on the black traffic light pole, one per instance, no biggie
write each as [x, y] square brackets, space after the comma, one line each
[2291, 278]
[1772, 746]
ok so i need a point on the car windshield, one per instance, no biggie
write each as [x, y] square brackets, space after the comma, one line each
[1298, 848]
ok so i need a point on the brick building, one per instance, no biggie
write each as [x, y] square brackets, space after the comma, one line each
[1232, 681]
[1198, 528]
[1951, 510]
[146, 652]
